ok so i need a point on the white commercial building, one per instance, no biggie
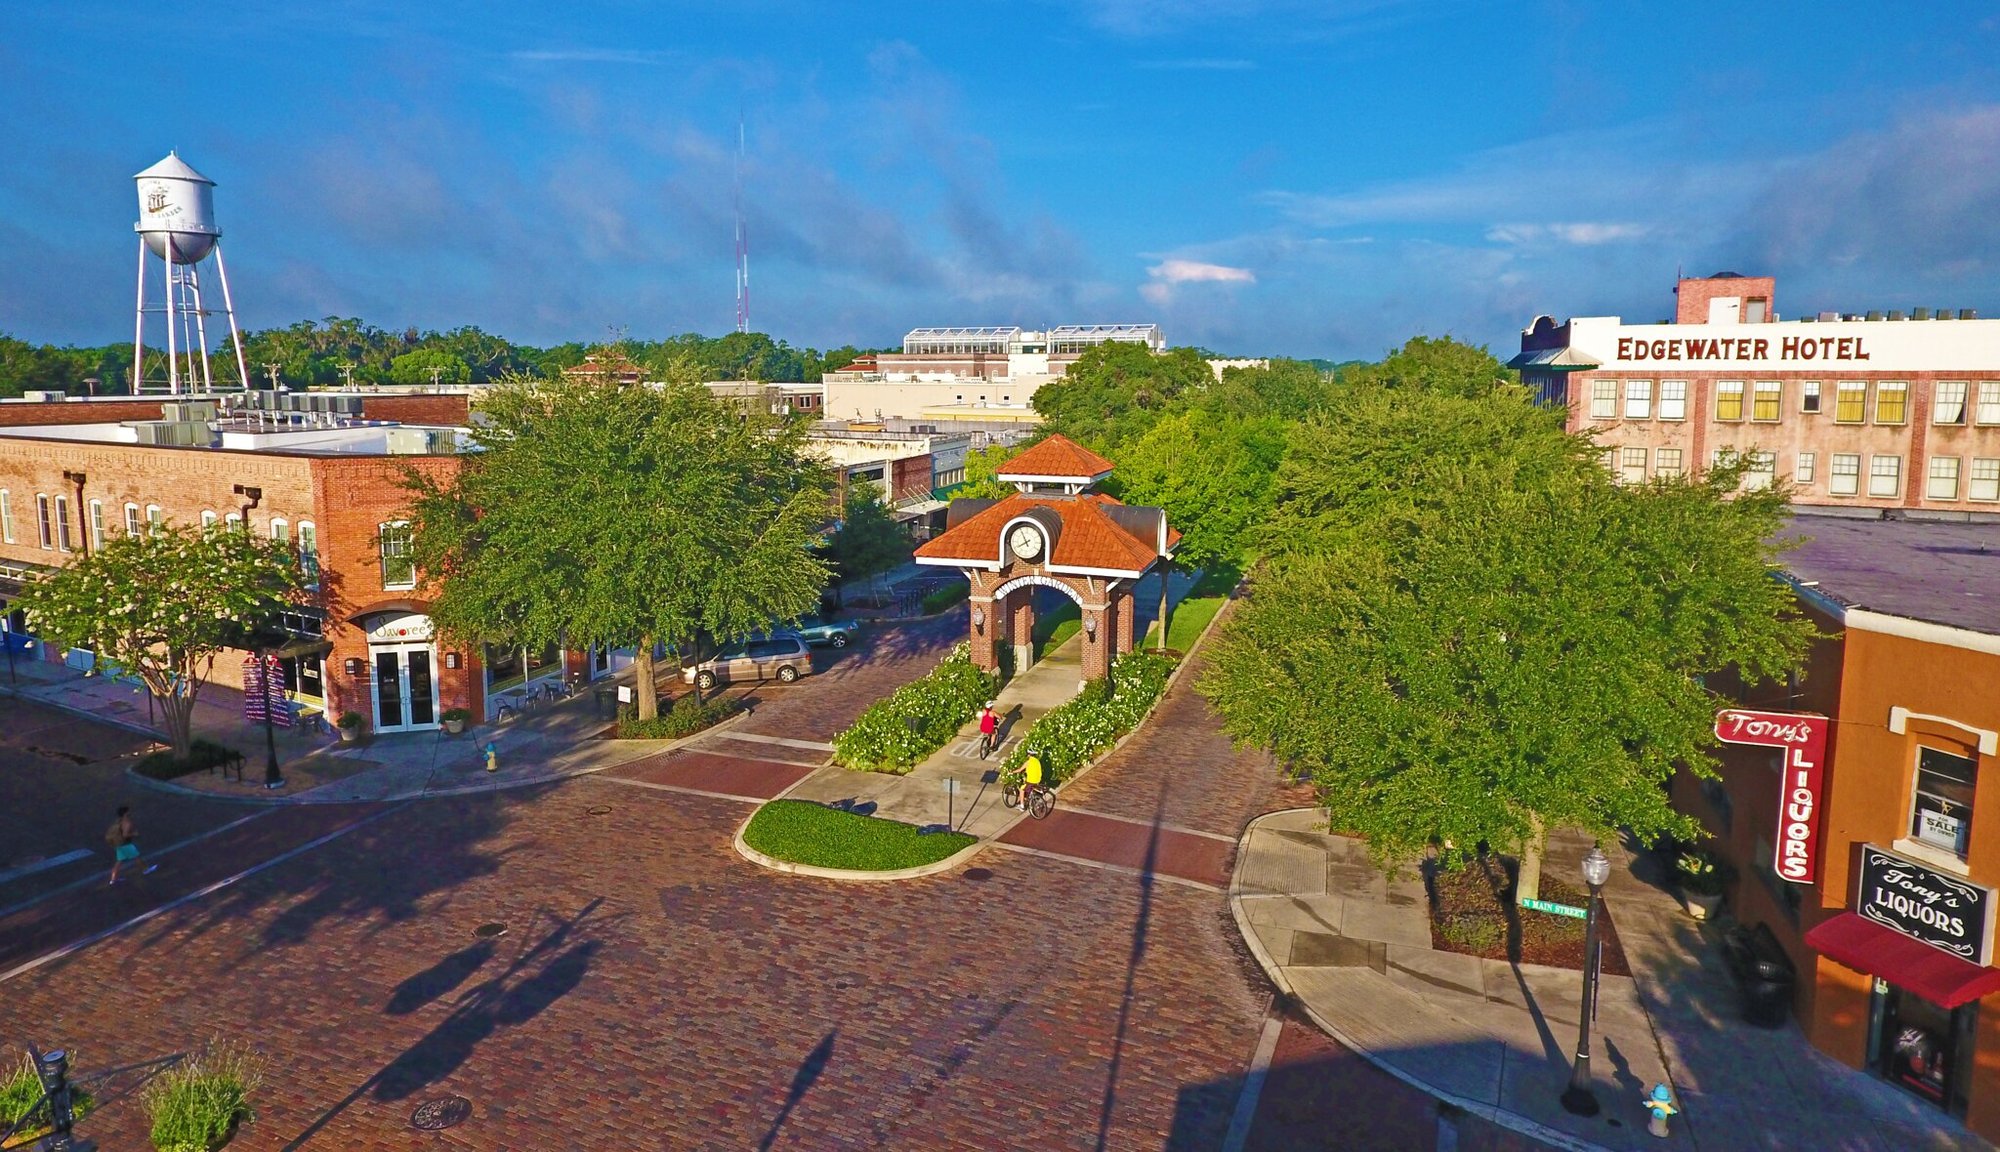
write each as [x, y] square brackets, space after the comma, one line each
[985, 374]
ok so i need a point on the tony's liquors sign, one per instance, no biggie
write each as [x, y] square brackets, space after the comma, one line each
[1939, 909]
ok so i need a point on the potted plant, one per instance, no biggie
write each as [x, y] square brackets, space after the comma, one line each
[454, 719]
[1701, 879]
[350, 727]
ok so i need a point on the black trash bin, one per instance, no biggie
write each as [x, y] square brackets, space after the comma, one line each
[607, 702]
[1763, 972]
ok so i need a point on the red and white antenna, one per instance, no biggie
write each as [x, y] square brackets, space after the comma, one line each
[742, 240]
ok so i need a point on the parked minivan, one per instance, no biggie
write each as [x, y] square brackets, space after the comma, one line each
[782, 656]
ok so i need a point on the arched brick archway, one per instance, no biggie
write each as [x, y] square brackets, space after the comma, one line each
[1056, 532]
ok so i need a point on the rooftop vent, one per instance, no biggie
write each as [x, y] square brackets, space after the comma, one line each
[1968, 313]
[1920, 313]
[1895, 315]
[1874, 315]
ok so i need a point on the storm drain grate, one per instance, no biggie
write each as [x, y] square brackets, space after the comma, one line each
[489, 930]
[441, 1113]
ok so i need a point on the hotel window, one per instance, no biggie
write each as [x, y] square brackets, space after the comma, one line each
[1803, 472]
[1667, 462]
[1809, 396]
[6, 517]
[399, 570]
[156, 523]
[207, 520]
[63, 540]
[309, 553]
[1611, 460]
[1943, 483]
[1885, 475]
[1941, 802]
[1892, 402]
[281, 532]
[1948, 406]
[1984, 483]
[1729, 400]
[1638, 399]
[132, 520]
[1604, 399]
[1770, 395]
[1850, 401]
[1632, 465]
[96, 525]
[1989, 403]
[1761, 468]
[1844, 475]
[42, 521]
[1673, 399]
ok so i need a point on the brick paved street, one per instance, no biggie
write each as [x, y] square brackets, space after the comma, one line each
[884, 657]
[654, 990]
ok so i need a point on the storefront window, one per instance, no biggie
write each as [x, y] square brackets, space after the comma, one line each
[511, 667]
[304, 676]
[1941, 810]
[1919, 1046]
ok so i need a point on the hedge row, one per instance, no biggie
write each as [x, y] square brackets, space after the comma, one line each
[1070, 735]
[920, 718]
[939, 599]
[687, 717]
[203, 754]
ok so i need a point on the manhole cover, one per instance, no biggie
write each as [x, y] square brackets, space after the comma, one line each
[488, 931]
[977, 874]
[441, 1113]
[598, 810]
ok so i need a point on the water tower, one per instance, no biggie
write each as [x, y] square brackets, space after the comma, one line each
[177, 226]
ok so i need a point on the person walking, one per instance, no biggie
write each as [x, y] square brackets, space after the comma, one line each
[123, 836]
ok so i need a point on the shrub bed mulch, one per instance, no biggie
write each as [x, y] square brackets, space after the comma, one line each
[1471, 907]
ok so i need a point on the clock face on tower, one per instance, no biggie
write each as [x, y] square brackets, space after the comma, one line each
[1025, 541]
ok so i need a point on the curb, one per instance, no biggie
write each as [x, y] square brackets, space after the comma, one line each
[1493, 1114]
[965, 855]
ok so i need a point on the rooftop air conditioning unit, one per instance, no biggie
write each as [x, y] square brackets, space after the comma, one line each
[1920, 313]
[44, 397]
[1874, 315]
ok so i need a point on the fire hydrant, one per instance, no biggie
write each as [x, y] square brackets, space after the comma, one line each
[492, 758]
[1660, 1105]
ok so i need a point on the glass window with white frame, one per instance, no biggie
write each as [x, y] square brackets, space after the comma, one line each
[1809, 396]
[1941, 800]
[309, 553]
[1942, 484]
[1767, 402]
[1667, 462]
[1802, 472]
[281, 530]
[1988, 411]
[44, 522]
[63, 538]
[156, 521]
[1724, 457]
[1673, 399]
[233, 521]
[1892, 402]
[207, 520]
[1844, 474]
[6, 517]
[1638, 399]
[96, 525]
[1948, 404]
[132, 520]
[1760, 469]
[1885, 475]
[1983, 483]
[1632, 465]
[399, 566]
[1603, 399]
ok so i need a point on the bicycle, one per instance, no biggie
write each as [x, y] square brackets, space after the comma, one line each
[1041, 797]
[988, 741]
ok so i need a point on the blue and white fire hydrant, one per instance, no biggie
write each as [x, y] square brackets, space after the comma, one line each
[1659, 1106]
[492, 757]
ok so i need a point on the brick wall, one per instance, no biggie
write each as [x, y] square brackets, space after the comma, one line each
[1692, 296]
[429, 408]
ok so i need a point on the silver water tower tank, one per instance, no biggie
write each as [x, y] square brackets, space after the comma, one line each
[176, 211]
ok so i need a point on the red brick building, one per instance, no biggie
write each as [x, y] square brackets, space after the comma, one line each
[329, 485]
[1893, 941]
[1055, 533]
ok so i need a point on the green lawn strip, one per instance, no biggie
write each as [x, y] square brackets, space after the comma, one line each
[807, 833]
[1052, 628]
[1190, 616]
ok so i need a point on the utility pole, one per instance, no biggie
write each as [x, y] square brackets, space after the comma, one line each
[271, 370]
[347, 373]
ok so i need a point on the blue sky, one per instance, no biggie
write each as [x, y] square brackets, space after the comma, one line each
[1259, 176]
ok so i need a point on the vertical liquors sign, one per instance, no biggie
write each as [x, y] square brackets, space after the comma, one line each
[1802, 738]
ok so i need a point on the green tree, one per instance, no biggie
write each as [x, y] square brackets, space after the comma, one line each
[1436, 364]
[426, 365]
[164, 605]
[1474, 640]
[869, 542]
[1213, 476]
[1115, 391]
[599, 514]
[980, 466]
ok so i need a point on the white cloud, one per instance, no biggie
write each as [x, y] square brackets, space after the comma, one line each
[1173, 271]
[1583, 234]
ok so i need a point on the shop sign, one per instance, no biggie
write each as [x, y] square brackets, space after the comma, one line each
[410, 627]
[1802, 738]
[1935, 907]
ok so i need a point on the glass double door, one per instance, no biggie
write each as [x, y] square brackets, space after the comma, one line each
[405, 689]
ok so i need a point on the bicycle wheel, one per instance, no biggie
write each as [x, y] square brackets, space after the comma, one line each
[1041, 802]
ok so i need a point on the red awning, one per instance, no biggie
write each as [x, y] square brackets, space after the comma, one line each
[1904, 961]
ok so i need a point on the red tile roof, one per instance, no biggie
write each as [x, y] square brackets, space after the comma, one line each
[1087, 536]
[1057, 456]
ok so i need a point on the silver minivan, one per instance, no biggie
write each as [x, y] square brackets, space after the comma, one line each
[782, 657]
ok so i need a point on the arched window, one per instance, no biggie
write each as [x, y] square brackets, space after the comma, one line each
[281, 530]
[309, 553]
[233, 521]
[132, 520]
[207, 519]
[399, 569]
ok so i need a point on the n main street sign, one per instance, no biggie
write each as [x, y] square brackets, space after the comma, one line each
[1802, 736]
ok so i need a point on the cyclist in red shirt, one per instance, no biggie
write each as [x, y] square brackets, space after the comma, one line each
[989, 727]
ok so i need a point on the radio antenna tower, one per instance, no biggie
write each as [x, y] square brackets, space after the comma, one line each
[742, 240]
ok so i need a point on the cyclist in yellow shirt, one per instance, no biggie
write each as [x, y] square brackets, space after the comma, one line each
[1031, 776]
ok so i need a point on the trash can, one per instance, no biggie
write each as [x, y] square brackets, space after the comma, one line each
[607, 701]
[1763, 972]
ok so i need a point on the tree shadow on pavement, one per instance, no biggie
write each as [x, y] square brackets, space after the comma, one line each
[1139, 928]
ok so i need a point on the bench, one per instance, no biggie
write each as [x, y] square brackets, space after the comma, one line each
[231, 762]
[1763, 973]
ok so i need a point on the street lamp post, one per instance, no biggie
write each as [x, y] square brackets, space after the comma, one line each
[1578, 1097]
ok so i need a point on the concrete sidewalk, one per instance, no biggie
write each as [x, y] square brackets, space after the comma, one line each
[1497, 1038]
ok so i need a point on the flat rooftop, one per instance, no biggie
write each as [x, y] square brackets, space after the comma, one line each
[341, 438]
[1943, 572]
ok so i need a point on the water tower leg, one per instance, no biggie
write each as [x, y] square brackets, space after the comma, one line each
[229, 306]
[173, 349]
[200, 329]
[139, 323]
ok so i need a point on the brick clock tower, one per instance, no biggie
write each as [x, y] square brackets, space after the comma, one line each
[1055, 532]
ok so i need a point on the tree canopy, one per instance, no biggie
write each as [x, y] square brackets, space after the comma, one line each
[164, 605]
[598, 514]
[1466, 632]
[1435, 364]
[869, 541]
